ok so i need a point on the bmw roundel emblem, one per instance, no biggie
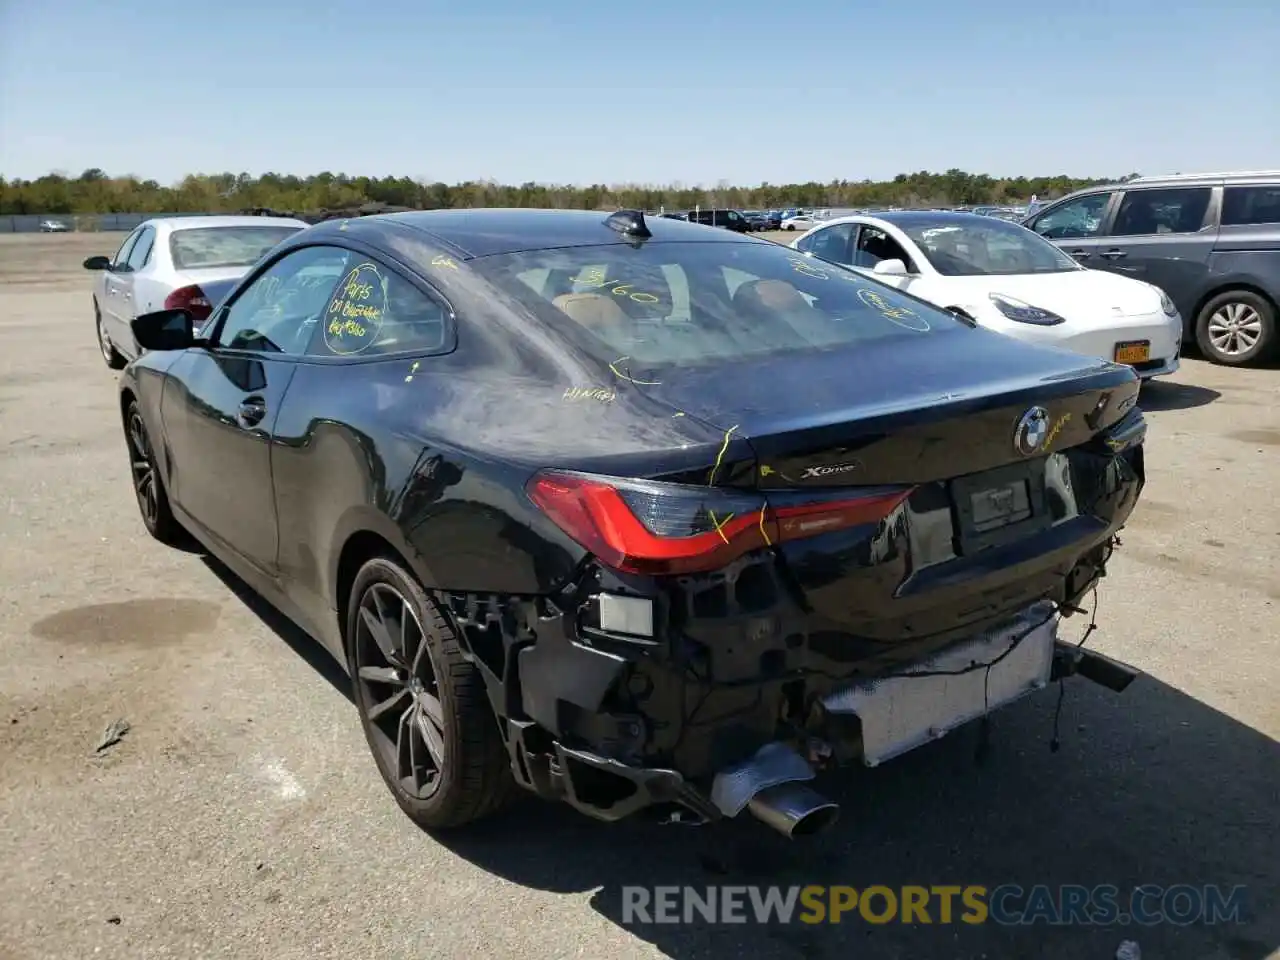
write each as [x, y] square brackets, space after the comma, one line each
[1029, 435]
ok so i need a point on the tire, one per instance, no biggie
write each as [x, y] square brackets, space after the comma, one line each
[1242, 323]
[472, 778]
[109, 353]
[148, 485]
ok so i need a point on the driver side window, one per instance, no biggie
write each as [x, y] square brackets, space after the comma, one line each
[874, 246]
[1075, 219]
[280, 311]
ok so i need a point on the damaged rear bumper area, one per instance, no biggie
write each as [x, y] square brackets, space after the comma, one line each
[609, 774]
[631, 695]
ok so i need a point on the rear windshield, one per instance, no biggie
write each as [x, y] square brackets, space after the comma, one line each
[198, 247]
[691, 304]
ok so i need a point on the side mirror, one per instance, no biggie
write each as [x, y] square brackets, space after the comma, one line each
[164, 330]
[98, 263]
[890, 268]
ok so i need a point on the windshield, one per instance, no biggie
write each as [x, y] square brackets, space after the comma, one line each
[690, 304]
[199, 247]
[987, 247]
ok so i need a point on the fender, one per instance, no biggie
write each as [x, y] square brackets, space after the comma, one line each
[367, 519]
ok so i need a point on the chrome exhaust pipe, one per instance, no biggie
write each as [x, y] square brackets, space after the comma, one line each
[794, 810]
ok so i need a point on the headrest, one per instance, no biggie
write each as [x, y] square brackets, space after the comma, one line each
[594, 311]
[772, 295]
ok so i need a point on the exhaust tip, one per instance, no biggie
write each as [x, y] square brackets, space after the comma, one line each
[817, 821]
[794, 810]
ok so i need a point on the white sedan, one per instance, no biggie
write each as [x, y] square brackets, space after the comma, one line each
[175, 263]
[801, 221]
[1009, 279]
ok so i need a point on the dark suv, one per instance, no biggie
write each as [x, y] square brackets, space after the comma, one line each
[729, 219]
[1210, 241]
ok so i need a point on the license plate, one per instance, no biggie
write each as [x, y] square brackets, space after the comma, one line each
[1000, 506]
[1133, 351]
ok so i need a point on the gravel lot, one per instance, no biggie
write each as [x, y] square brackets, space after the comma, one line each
[241, 815]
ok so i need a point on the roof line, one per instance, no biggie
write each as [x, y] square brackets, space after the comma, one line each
[731, 238]
[435, 238]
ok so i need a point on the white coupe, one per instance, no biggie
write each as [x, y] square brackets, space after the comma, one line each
[1009, 279]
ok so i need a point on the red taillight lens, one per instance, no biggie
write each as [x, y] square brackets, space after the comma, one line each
[192, 299]
[639, 526]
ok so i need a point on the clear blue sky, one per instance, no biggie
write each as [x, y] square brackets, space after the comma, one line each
[651, 91]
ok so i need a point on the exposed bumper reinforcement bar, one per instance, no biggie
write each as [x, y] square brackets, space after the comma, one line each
[929, 699]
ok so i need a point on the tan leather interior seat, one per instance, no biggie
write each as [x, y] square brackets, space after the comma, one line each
[780, 294]
[598, 313]
[773, 295]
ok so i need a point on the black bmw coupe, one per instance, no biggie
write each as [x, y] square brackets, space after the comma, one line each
[632, 512]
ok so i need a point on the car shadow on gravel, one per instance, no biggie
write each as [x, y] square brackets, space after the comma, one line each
[1148, 787]
[1160, 395]
[297, 639]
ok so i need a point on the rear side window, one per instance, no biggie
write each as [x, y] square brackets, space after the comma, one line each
[1242, 206]
[1150, 212]
[704, 303]
[374, 311]
[195, 248]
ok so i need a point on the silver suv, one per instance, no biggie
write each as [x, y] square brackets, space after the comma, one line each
[1211, 241]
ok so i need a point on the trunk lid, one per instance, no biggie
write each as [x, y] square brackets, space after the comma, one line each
[210, 275]
[883, 414]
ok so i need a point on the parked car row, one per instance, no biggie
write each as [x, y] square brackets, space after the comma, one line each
[748, 221]
[631, 513]
[1210, 241]
[1007, 278]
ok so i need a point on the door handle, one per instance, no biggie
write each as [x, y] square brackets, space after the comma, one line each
[1080, 254]
[1113, 254]
[252, 411]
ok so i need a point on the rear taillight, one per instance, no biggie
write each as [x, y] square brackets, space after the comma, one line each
[641, 526]
[191, 299]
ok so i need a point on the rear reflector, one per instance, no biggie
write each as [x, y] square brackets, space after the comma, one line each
[641, 526]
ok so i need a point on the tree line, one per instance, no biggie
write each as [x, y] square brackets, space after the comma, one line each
[95, 192]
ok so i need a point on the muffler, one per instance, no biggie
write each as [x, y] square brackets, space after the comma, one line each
[771, 785]
[794, 810]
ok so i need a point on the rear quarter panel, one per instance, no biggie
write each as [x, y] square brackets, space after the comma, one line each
[434, 458]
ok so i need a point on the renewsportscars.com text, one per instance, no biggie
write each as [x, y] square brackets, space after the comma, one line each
[1006, 905]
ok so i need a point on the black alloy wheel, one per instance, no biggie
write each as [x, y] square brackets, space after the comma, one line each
[424, 708]
[399, 686]
[148, 487]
